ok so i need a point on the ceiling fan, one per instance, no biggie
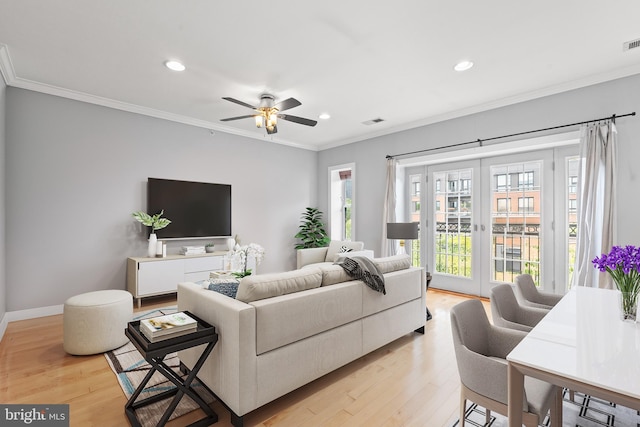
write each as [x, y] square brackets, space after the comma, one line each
[267, 113]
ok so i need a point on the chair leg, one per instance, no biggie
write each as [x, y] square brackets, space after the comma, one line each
[463, 407]
[572, 395]
[487, 416]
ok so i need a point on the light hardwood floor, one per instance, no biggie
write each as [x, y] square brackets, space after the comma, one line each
[410, 382]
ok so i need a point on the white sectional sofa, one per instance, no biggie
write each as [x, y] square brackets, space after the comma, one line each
[295, 327]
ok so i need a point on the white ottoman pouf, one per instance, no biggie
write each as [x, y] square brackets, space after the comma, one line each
[95, 322]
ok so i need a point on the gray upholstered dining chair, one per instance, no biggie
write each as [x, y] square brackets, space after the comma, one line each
[528, 294]
[481, 350]
[507, 313]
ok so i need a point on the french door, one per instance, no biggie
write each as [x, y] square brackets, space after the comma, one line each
[487, 220]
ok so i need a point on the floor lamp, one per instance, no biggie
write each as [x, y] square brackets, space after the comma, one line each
[405, 231]
[402, 231]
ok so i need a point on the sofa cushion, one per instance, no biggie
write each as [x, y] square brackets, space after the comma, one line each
[261, 286]
[393, 263]
[293, 317]
[332, 274]
[338, 246]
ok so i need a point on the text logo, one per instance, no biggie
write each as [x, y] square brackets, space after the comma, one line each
[36, 415]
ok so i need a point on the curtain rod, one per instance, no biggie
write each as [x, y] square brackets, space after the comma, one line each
[480, 141]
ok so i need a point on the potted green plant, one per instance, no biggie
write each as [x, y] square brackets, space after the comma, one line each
[156, 222]
[209, 247]
[311, 231]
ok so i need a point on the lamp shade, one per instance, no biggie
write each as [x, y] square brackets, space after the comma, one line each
[402, 230]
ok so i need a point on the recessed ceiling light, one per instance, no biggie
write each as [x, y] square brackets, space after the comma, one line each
[463, 65]
[324, 116]
[175, 66]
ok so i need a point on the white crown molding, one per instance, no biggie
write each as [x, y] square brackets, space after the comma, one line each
[528, 96]
[6, 67]
[11, 79]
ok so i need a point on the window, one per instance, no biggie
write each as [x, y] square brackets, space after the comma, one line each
[501, 182]
[437, 186]
[437, 205]
[465, 185]
[573, 205]
[573, 184]
[525, 180]
[341, 206]
[502, 205]
[415, 188]
[525, 204]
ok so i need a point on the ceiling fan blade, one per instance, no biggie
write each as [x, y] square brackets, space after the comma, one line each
[237, 118]
[296, 119]
[271, 132]
[287, 104]
[235, 101]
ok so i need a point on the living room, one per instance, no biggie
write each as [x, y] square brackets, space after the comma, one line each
[75, 170]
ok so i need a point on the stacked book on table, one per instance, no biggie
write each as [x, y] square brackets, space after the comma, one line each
[167, 326]
[192, 250]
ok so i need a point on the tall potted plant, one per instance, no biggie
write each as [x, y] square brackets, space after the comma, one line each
[156, 222]
[311, 231]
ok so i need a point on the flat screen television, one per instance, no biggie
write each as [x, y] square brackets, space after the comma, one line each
[196, 209]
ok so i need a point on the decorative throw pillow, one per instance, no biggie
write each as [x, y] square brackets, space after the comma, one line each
[335, 247]
[344, 249]
[228, 287]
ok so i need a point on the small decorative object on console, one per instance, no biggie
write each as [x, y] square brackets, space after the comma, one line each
[192, 250]
[241, 253]
[156, 223]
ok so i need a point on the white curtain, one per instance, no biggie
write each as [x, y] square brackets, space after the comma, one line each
[389, 209]
[597, 202]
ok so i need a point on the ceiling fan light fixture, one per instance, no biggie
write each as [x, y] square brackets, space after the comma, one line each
[259, 121]
[175, 65]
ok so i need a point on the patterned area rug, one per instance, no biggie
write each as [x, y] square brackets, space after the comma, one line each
[130, 369]
[584, 411]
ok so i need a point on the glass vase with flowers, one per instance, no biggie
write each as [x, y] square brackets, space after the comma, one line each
[623, 264]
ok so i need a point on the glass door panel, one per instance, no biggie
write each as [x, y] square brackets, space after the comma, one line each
[452, 235]
[515, 220]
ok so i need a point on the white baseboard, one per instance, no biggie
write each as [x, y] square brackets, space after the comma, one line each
[3, 325]
[33, 313]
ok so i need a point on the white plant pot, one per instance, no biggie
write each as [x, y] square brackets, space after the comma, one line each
[153, 240]
[231, 242]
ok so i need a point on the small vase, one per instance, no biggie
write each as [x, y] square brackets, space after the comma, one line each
[153, 240]
[628, 306]
[231, 242]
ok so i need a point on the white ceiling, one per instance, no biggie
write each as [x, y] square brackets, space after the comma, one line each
[356, 60]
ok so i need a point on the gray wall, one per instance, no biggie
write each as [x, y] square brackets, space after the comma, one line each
[3, 276]
[76, 171]
[618, 96]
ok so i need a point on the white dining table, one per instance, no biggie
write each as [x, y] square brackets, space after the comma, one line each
[582, 344]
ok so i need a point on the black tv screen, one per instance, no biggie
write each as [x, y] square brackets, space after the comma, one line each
[196, 209]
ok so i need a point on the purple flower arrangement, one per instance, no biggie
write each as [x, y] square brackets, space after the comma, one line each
[623, 264]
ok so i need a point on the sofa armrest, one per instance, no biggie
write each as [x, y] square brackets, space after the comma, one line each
[310, 256]
[231, 369]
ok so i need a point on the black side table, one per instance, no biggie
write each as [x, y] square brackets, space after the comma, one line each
[154, 353]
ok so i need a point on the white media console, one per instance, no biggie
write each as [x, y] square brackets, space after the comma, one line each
[158, 276]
